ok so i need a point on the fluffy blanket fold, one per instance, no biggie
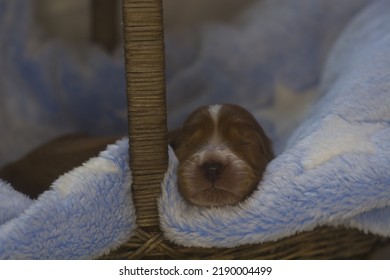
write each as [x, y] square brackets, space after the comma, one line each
[316, 74]
[87, 213]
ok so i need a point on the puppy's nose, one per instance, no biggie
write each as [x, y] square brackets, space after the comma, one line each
[212, 169]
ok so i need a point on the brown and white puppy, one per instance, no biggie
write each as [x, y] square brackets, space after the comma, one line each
[222, 153]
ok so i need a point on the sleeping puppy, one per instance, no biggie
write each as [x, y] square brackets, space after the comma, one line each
[222, 153]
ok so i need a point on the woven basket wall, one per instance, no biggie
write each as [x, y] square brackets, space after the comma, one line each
[147, 113]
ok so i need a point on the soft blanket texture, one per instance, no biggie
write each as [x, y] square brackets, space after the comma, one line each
[87, 213]
[315, 73]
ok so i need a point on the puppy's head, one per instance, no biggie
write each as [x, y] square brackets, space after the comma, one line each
[222, 153]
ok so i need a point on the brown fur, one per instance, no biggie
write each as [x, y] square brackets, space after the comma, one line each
[232, 178]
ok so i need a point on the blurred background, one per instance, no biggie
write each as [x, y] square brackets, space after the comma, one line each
[79, 21]
[54, 62]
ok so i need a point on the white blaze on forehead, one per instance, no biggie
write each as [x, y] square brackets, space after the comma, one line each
[214, 114]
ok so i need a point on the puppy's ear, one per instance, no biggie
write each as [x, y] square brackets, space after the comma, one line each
[174, 138]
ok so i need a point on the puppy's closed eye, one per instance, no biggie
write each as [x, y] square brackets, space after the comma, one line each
[222, 153]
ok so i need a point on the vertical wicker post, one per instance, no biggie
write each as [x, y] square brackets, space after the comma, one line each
[145, 81]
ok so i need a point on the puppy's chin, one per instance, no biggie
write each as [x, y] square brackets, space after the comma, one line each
[233, 183]
[213, 197]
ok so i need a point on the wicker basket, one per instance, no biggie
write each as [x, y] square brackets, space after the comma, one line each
[145, 76]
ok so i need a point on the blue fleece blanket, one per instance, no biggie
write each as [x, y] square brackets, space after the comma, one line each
[316, 74]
